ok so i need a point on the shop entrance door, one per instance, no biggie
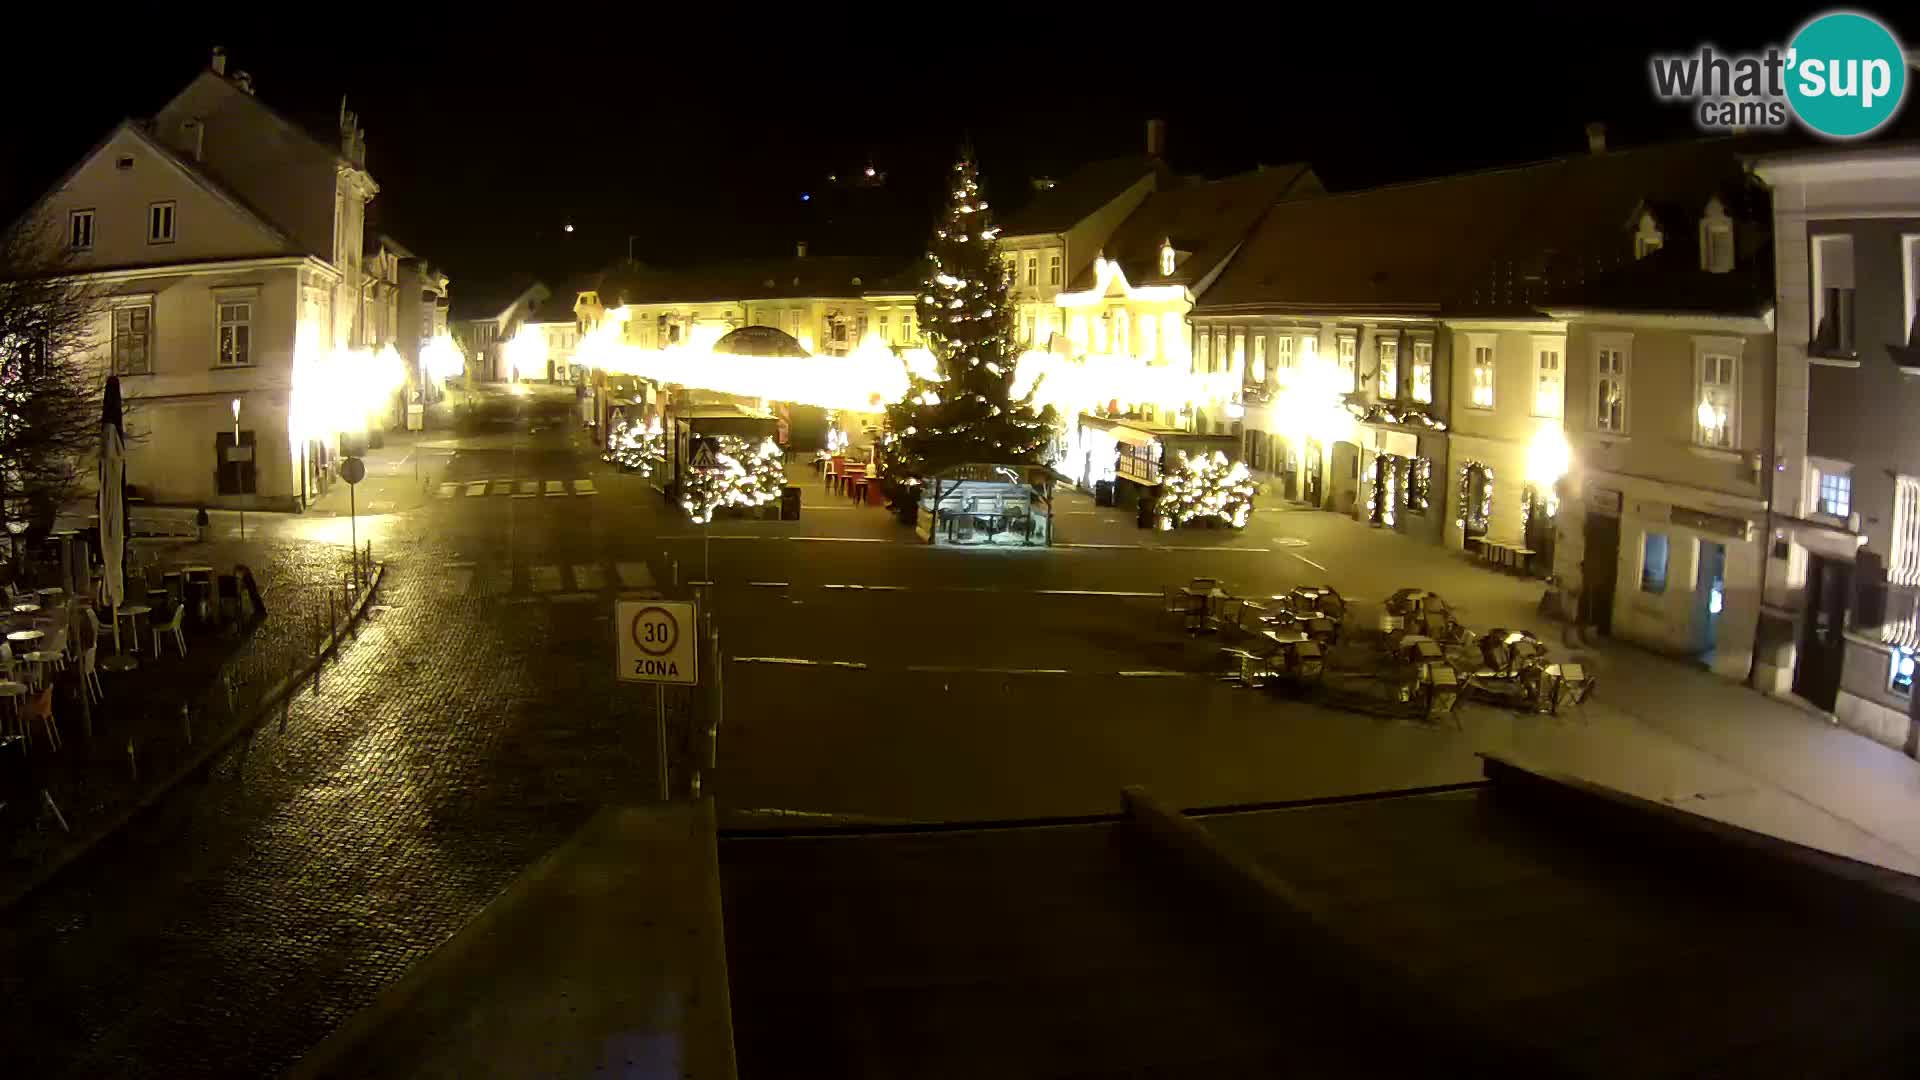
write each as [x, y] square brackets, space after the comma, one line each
[1599, 572]
[1816, 672]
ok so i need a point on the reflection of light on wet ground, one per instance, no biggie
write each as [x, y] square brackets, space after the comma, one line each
[341, 531]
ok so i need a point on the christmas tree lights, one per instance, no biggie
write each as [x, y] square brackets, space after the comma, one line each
[636, 446]
[1476, 507]
[744, 475]
[1207, 486]
[975, 416]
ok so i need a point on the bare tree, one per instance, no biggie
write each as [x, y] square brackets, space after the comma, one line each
[50, 385]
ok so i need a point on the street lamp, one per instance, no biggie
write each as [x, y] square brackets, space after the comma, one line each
[236, 455]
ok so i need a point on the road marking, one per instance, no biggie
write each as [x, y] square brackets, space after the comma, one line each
[634, 575]
[556, 487]
[775, 660]
[850, 664]
[1092, 592]
[583, 486]
[836, 539]
[1289, 541]
[942, 669]
[1152, 674]
[575, 597]
[460, 565]
[1198, 547]
[1105, 547]
[769, 584]
[886, 588]
[447, 491]
[1162, 547]
[529, 487]
[477, 487]
[544, 578]
[699, 582]
[1308, 561]
[589, 576]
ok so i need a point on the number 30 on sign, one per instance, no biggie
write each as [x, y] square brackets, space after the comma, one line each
[655, 641]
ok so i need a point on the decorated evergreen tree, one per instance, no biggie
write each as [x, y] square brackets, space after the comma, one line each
[965, 412]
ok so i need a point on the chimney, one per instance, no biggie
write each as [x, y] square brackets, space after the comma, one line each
[1596, 138]
[244, 81]
[219, 60]
[1156, 137]
[800, 249]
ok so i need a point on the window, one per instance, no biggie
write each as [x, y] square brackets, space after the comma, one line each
[1013, 271]
[1345, 348]
[236, 333]
[1421, 379]
[1053, 269]
[886, 328]
[1648, 238]
[1259, 369]
[1166, 259]
[1900, 672]
[160, 223]
[1910, 271]
[1033, 269]
[1716, 238]
[1904, 567]
[1653, 563]
[1832, 296]
[793, 324]
[1238, 358]
[1220, 358]
[1309, 351]
[1610, 389]
[1030, 329]
[1203, 360]
[1149, 338]
[132, 340]
[80, 230]
[1548, 389]
[1120, 323]
[1715, 418]
[1171, 335]
[1388, 350]
[1836, 493]
[1283, 355]
[1481, 395]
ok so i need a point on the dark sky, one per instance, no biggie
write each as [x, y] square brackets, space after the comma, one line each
[697, 139]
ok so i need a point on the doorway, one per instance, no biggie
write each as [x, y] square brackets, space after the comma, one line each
[1816, 672]
[1710, 596]
[1311, 475]
[1599, 572]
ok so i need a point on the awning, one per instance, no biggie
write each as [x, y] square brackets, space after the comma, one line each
[1132, 436]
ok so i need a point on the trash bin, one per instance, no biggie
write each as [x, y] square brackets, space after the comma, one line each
[1103, 493]
[790, 504]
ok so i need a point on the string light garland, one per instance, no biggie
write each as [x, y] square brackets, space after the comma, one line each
[1207, 486]
[636, 446]
[744, 475]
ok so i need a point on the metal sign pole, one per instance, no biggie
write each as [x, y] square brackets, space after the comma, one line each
[660, 734]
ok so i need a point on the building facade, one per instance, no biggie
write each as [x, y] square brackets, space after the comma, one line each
[225, 242]
[1843, 573]
[1056, 237]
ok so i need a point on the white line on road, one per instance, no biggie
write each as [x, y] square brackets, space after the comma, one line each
[544, 578]
[769, 584]
[775, 660]
[583, 486]
[835, 539]
[1308, 561]
[941, 669]
[589, 576]
[886, 588]
[850, 664]
[477, 487]
[529, 487]
[556, 487]
[1092, 592]
[447, 491]
[1161, 547]
[1152, 674]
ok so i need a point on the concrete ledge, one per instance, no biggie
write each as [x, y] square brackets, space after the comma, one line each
[607, 956]
[273, 696]
[1287, 921]
[1713, 846]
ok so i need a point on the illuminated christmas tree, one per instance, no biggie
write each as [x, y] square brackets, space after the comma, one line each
[967, 411]
[1207, 486]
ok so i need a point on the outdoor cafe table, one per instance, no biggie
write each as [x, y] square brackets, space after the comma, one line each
[1284, 637]
[1200, 604]
[132, 613]
[26, 609]
[23, 637]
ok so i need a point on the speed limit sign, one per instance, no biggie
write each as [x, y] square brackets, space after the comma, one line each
[655, 641]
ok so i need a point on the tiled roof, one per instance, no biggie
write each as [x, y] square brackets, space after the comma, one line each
[1509, 240]
[1084, 191]
[847, 276]
[1205, 221]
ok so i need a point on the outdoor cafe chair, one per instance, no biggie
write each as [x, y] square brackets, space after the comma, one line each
[171, 626]
[90, 675]
[39, 706]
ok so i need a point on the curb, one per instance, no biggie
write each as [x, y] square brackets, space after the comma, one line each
[274, 695]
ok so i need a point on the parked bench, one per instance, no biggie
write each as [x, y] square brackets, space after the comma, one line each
[1506, 554]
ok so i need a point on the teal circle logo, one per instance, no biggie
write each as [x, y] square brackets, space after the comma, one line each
[1846, 74]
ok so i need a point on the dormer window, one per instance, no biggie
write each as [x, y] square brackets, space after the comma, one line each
[1648, 238]
[1716, 239]
[1166, 258]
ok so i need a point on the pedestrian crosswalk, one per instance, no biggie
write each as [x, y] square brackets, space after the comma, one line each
[512, 488]
[547, 581]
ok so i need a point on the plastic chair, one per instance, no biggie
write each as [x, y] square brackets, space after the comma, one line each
[39, 706]
[90, 675]
[170, 626]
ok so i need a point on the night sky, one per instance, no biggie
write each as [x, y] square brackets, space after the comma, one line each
[698, 140]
